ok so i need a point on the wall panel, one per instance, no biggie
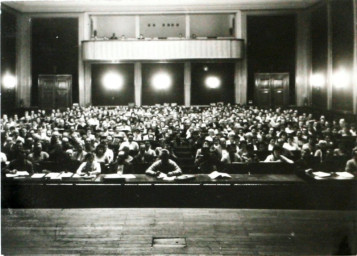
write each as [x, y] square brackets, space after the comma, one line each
[120, 25]
[212, 24]
[8, 58]
[319, 56]
[162, 25]
[342, 53]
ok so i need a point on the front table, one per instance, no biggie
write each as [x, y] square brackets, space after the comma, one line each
[269, 191]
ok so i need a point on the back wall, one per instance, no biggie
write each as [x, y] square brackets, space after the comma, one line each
[201, 94]
[271, 48]
[54, 50]
[174, 94]
[104, 96]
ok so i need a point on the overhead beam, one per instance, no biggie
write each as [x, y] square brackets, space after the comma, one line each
[156, 6]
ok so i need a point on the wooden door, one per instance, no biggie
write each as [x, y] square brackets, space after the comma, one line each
[55, 91]
[280, 89]
[63, 95]
[46, 85]
[262, 90]
[271, 89]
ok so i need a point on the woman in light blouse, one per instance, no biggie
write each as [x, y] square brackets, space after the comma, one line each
[89, 166]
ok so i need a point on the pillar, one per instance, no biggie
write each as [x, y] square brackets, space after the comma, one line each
[303, 89]
[329, 58]
[355, 59]
[23, 60]
[137, 83]
[241, 70]
[187, 84]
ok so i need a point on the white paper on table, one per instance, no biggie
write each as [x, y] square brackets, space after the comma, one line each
[113, 176]
[77, 176]
[66, 175]
[38, 175]
[169, 178]
[185, 177]
[162, 175]
[344, 175]
[128, 176]
[215, 175]
[322, 174]
[11, 175]
[17, 174]
[52, 175]
[318, 178]
[22, 173]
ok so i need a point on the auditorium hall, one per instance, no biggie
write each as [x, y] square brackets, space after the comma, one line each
[178, 127]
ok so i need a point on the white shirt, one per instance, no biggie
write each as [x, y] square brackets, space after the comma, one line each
[109, 154]
[290, 147]
[131, 145]
[3, 157]
[94, 168]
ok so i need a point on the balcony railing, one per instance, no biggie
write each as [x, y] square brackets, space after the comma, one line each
[162, 49]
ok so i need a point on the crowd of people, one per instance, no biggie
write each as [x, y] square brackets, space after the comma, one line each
[118, 138]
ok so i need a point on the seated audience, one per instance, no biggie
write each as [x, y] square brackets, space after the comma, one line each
[121, 166]
[100, 155]
[20, 163]
[143, 156]
[277, 156]
[230, 155]
[131, 144]
[164, 165]
[149, 150]
[89, 166]
[351, 165]
[340, 150]
[250, 156]
[38, 156]
[322, 152]
[305, 161]
[290, 144]
[78, 153]
[70, 134]
[3, 158]
[207, 160]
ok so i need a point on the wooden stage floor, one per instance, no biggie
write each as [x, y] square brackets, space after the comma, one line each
[206, 231]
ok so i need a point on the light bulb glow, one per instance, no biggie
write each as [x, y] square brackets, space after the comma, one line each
[213, 82]
[9, 81]
[161, 81]
[317, 80]
[113, 81]
[341, 78]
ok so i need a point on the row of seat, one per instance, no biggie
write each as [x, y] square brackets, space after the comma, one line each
[333, 164]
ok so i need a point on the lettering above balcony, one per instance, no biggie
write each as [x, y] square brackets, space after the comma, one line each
[182, 49]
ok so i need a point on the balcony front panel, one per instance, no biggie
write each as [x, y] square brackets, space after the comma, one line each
[126, 50]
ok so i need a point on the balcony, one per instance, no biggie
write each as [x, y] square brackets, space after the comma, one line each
[162, 49]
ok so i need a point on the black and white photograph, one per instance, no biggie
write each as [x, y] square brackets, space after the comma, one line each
[178, 127]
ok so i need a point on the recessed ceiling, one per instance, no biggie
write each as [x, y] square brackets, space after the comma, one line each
[141, 6]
